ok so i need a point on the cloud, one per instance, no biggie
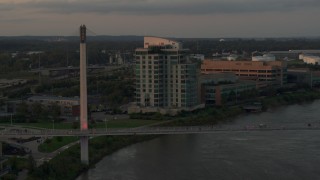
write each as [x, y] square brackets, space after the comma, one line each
[6, 6]
[156, 7]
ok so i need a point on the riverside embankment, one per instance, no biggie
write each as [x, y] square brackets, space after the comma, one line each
[68, 162]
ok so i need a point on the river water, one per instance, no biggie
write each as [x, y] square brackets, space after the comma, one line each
[236, 155]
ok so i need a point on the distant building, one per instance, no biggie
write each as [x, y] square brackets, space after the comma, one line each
[219, 87]
[216, 94]
[197, 56]
[232, 57]
[167, 79]
[66, 104]
[310, 59]
[265, 57]
[272, 73]
[220, 77]
[116, 58]
[304, 76]
[293, 54]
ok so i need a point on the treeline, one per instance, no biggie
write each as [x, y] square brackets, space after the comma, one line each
[290, 98]
[66, 53]
[37, 112]
[210, 46]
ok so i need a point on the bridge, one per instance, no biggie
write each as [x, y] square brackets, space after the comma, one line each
[8, 133]
[49, 71]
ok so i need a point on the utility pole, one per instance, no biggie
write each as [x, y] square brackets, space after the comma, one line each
[39, 70]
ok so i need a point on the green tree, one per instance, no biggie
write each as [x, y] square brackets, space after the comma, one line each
[232, 96]
[55, 111]
[31, 164]
[36, 110]
[22, 111]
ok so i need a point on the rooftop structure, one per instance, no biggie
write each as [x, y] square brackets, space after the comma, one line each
[156, 41]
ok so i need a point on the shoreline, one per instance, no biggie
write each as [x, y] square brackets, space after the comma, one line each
[103, 146]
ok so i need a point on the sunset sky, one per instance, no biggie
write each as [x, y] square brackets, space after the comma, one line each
[167, 18]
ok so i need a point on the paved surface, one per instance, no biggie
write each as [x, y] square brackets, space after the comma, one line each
[32, 147]
[46, 133]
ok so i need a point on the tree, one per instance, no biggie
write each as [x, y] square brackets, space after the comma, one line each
[55, 111]
[232, 96]
[31, 164]
[22, 111]
[36, 110]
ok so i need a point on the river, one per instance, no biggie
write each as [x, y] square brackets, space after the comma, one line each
[237, 155]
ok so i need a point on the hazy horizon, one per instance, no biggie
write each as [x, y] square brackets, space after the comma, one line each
[175, 18]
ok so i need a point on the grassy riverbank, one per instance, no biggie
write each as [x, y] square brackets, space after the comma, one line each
[67, 165]
[290, 98]
[55, 143]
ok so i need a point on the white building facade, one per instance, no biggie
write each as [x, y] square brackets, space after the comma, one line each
[166, 77]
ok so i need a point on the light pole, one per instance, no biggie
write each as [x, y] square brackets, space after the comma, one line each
[105, 121]
[52, 124]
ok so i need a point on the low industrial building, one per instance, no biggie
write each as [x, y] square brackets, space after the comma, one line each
[270, 73]
[66, 104]
[310, 59]
[218, 88]
[304, 76]
[293, 54]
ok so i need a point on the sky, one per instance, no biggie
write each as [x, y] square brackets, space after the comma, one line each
[166, 18]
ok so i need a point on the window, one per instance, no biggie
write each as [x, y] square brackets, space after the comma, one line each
[173, 57]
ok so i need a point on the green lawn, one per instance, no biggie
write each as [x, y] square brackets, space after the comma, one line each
[126, 123]
[55, 143]
[47, 125]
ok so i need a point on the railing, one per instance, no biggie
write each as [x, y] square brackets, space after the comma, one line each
[157, 130]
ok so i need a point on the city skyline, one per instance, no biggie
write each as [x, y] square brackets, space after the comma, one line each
[177, 18]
